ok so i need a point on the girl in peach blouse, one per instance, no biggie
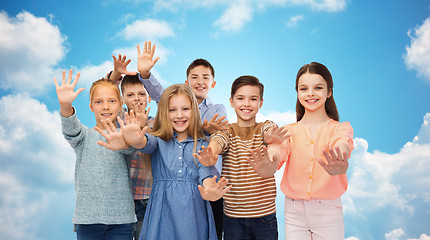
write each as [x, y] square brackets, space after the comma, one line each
[315, 150]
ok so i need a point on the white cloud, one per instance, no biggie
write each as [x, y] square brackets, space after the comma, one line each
[37, 168]
[422, 237]
[148, 29]
[237, 15]
[30, 48]
[418, 53]
[352, 238]
[294, 21]
[396, 234]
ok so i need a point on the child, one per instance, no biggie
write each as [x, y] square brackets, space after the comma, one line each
[200, 77]
[313, 208]
[249, 207]
[175, 209]
[104, 203]
[136, 98]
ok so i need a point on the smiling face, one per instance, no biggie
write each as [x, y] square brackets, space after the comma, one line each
[246, 102]
[180, 114]
[135, 97]
[200, 80]
[312, 92]
[105, 104]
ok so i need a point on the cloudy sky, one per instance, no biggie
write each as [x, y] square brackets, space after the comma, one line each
[377, 51]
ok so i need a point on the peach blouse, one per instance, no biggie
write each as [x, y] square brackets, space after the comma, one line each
[304, 178]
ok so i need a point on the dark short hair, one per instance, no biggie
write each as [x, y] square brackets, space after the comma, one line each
[246, 80]
[128, 80]
[200, 62]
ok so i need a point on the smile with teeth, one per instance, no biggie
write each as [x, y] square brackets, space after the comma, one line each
[246, 110]
[180, 122]
[311, 100]
[107, 115]
[201, 88]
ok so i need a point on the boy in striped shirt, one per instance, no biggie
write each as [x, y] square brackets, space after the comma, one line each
[249, 206]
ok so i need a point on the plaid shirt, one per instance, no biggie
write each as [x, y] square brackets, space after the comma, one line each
[140, 171]
[141, 176]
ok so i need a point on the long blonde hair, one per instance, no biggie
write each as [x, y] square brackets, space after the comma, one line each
[163, 127]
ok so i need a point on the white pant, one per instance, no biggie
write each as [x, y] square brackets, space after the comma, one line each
[316, 219]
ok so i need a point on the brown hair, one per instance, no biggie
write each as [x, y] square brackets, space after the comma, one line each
[200, 62]
[246, 80]
[130, 80]
[330, 105]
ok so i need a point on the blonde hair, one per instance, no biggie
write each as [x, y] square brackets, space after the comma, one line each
[163, 127]
[106, 83]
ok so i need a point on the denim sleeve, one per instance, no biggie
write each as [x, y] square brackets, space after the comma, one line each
[205, 172]
[151, 144]
[153, 87]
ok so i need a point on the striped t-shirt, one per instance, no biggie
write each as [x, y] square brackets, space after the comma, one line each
[251, 196]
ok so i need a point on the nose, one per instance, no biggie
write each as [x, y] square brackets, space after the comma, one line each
[105, 105]
[179, 113]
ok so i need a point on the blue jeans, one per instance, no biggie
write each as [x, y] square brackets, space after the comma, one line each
[140, 209]
[264, 228]
[104, 231]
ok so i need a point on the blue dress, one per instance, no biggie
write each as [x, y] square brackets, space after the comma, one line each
[175, 208]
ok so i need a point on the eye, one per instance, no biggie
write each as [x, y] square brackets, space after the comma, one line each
[130, 95]
[171, 110]
[143, 94]
[303, 89]
[113, 101]
[319, 88]
[186, 108]
[97, 102]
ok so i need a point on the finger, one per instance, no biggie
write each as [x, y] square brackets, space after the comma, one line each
[103, 133]
[104, 144]
[114, 58]
[63, 80]
[152, 51]
[69, 80]
[323, 163]
[148, 50]
[120, 122]
[250, 161]
[145, 47]
[138, 50]
[205, 123]
[155, 60]
[79, 90]
[127, 62]
[56, 83]
[327, 156]
[76, 79]
[201, 190]
[227, 189]
[339, 154]
[214, 117]
[147, 112]
[333, 155]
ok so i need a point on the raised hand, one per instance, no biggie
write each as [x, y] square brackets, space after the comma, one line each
[212, 190]
[337, 162]
[261, 162]
[115, 139]
[215, 124]
[206, 156]
[131, 130]
[275, 135]
[145, 59]
[120, 65]
[66, 93]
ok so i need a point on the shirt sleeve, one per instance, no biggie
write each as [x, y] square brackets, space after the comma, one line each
[73, 130]
[221, 137]
[283, 149]
[153, 87]
[267, 124]
[343, 134]
[151, 144]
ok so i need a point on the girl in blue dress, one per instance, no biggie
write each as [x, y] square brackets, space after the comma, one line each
[178, 206]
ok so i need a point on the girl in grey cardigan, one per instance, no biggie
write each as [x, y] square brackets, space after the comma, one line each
[104, 203]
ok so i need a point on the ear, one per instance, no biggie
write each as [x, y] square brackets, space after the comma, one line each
[231, 102]
[330, 93]
[149, 99]
[261, 103]
[213, 84]
[186, 82]
[91, 107]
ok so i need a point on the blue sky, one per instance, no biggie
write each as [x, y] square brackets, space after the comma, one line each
[377, 51]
